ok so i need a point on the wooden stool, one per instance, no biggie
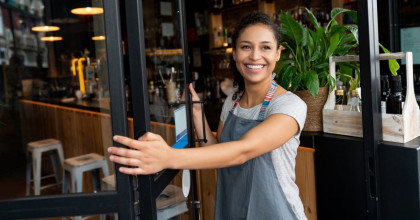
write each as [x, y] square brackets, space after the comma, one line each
[34, 158]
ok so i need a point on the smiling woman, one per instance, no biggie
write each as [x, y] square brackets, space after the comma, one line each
[256, 177]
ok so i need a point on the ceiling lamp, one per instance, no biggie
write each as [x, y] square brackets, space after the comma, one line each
[45, 28]
[98, 37]
[51, 38]
[88, 11]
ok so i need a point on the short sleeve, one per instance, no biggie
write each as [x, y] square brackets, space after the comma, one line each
[291, 105]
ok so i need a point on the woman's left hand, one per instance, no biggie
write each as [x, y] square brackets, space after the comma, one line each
[149, 154]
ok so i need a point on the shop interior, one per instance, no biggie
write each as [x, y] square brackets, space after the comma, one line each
[69, 66]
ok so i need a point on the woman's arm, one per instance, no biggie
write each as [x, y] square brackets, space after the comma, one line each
[151, 153]
[198, 121]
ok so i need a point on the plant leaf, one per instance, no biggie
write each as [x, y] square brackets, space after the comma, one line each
[392, 63]
[353, 84]
[296, 82]
[291, 28]
[313, 19]
[310, 45]
[335, 12]
[321, 65]
[316, 55]
[354, 29]
[334, 40]
[312, 82]
[331, 82]
[285, 76]
[304, 37]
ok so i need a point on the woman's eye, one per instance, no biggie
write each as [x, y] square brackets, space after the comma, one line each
[266, 48]
[245, 47]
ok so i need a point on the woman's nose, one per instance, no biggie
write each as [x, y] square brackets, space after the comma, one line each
[255, 54]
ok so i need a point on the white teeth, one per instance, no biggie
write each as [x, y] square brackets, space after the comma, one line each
[254, 66]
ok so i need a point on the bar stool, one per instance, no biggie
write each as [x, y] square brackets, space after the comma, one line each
[34, 158]
[75, 167]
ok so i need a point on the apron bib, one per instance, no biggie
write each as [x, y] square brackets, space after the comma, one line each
[250, 190]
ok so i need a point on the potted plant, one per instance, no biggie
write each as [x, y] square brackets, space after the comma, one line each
[304, 65]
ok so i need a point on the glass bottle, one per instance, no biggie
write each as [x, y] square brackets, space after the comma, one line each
[384, 92]
[339, 97]
[354, 101]
[151, 92]
[395, 102]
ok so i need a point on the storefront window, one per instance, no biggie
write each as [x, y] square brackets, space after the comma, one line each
[54, 99]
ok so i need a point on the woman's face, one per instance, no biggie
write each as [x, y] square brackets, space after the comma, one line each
[256, 53]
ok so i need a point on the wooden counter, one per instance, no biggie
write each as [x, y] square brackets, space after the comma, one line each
[85, 131]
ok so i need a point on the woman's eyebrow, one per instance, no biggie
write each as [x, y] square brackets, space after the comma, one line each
[263, 42]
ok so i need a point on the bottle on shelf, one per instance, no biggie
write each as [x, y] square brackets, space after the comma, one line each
[339, 97]
[225, 38]
[151, 92]
[384, 92]
[354, 101]
[395, 101]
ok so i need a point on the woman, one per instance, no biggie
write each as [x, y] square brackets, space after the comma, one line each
[256, 141]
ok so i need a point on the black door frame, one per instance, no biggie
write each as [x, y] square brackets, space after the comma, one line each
[120, 201]
[150, 187]
[371, 113]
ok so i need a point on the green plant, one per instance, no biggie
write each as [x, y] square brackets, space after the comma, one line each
[304, 64]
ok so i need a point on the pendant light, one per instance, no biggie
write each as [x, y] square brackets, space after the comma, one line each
[45, 28]
[52, 38]
[87, 11]
[101, 37]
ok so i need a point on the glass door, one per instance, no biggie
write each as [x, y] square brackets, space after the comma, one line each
[159, 99]
[63, 97]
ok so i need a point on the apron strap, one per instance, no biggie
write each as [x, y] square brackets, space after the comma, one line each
[268, 97]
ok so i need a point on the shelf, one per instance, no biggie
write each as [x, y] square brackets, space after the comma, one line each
[231, 8]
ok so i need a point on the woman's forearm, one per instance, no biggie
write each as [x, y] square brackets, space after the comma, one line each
[213, 156]
[198, 125]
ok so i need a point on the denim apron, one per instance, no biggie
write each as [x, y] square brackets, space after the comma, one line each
[250, 190]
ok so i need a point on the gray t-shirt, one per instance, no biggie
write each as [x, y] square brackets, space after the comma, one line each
[283, 157]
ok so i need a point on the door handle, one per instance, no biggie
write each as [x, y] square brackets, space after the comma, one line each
[203, 122]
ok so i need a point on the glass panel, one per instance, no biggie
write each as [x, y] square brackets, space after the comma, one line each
[54, 98]
[165, 75]
[165, 72]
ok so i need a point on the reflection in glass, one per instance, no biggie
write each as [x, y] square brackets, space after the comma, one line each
[165, 75]
[54, 100]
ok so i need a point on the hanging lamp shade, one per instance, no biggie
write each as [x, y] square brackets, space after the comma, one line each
[101, 37]
[87, 11]
[51, 38]
[45, 28]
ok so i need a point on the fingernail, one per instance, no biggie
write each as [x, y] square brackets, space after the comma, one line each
[114, 138]
[109, 150]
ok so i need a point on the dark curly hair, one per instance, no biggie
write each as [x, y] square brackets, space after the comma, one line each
[252, 18]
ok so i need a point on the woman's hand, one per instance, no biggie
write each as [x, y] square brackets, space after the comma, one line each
[149, 154]
[196, 107]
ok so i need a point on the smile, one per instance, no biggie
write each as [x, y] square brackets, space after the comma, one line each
[255, 66]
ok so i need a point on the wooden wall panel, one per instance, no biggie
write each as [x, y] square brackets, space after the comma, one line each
[305, 180]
